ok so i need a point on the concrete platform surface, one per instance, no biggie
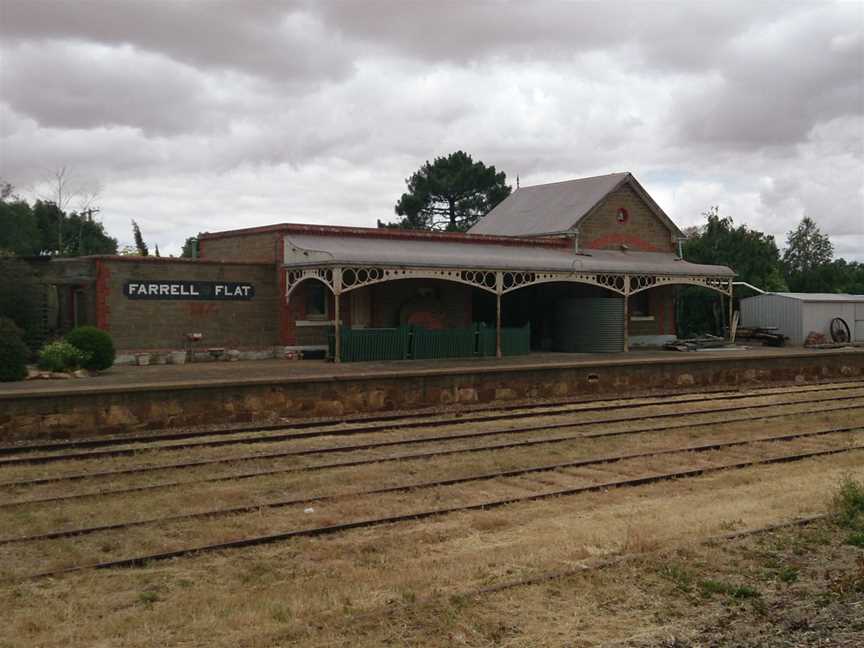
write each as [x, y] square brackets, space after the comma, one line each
[189, 376]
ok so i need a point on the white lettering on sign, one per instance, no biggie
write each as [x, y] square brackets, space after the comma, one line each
[188, 290]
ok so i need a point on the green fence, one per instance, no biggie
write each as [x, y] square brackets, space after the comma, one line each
[363, 345]
[446, 343]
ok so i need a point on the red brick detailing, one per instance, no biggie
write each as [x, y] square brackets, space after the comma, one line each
[103, 289]
[614, 240]
[287, 326]
[645, 223]
[202, 310]
[432, 321]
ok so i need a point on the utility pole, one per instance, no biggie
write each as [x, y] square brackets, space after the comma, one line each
[89, 213]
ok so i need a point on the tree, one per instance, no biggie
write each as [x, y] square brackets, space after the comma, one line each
[451, 194]
[753, 255]
[45, 229]
[140, 245]
[808, 251]
[19, 235]
[190, 248]
[20, 297]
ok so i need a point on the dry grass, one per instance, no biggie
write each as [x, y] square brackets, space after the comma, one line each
[341, 589]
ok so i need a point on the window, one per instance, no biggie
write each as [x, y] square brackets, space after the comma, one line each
[316, 300]
[640, 305]
[622, 216]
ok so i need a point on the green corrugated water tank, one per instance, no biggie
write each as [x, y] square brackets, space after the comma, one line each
[589, 325]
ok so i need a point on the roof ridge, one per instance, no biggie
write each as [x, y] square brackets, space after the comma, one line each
[558, 182]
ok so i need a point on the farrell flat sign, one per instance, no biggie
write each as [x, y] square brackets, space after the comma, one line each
[218, 290]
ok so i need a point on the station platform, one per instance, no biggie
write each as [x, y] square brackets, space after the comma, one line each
[127, 398]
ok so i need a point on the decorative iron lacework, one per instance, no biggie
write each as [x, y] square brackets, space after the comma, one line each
[359, 276]
[643, 282]
[295, 277]
[349, 278]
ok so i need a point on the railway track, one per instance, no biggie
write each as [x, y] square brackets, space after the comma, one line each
[433, 418]
[390, 458]
[422, 514]
[469, 469]
[262, 439]
[413, 486]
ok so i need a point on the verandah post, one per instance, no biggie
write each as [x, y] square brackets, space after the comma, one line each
[499, 288]
[337, 292]
[626, 313]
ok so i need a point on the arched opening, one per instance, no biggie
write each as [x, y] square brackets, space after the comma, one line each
[435, 304]
[309, 317]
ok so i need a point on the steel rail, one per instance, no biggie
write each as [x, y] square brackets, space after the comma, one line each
[435, 417]
[403, 457]
[252, 541]
[502, 474]
[351, 432]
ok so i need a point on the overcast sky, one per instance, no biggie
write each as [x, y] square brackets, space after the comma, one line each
[194, 116]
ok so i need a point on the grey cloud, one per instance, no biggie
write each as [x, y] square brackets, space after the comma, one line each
[777, 83]
[76, 86]
[255, 112]
[275, 40]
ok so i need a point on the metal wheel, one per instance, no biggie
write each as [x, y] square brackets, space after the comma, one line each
[840, 330]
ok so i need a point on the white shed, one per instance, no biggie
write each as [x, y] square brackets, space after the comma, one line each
[798, 314]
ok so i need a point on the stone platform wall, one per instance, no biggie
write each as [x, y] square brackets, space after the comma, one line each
[112, 410]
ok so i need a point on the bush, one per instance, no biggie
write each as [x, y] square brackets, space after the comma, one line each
[95, 342]
[848, 504]
[61, 356]
[13, 352]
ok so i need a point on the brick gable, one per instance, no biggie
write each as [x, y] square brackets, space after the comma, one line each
[643, 230]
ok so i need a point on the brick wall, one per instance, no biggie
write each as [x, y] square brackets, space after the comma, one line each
[388, 299]
[156, 324]
[255, 247]
[661, 306]
[642, 230]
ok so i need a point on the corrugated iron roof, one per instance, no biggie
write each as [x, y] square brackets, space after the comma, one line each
[819, 297]
[555, 208]
[313, 249]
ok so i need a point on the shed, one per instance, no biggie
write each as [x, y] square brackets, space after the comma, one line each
[798, 314]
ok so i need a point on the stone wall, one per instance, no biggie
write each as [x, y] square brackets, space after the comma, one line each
[642, 231]
[162, 324]
[110, 410]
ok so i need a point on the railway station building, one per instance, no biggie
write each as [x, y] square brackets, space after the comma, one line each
[586, 265]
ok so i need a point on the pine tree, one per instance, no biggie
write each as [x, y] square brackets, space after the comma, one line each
[140, 245]
[451, 193]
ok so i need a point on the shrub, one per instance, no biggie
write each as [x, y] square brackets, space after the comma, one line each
[61, 356]
[848, 504]
[95, 342]
[13, 352]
